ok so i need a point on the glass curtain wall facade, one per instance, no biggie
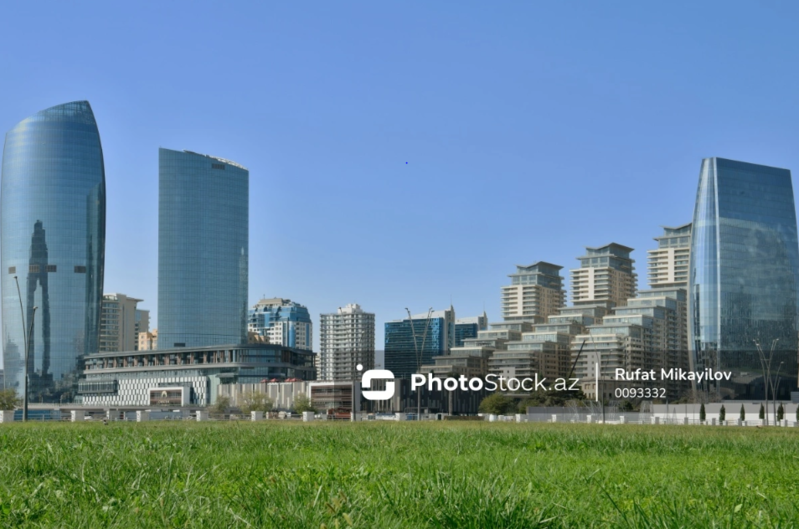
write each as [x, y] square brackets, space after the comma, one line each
[401, 346]
[52, 234]
[203, 232]
[743, 276]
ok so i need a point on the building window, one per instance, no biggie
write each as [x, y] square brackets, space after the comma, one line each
[12, 269]
[80, 269]
[218, 166]
[51, 268]
[33, 269]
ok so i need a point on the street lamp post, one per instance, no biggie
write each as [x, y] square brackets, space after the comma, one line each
[418, 355]
[26, 340]
[27, 372]
[357, 345]
[766, 368]
[774, 392]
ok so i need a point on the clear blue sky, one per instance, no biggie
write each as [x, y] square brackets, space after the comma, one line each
[530, 129]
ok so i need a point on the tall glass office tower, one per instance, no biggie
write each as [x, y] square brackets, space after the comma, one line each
[203, 233]
[52, 233]
[744, 268]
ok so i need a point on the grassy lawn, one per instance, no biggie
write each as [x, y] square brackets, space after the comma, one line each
[478, 475]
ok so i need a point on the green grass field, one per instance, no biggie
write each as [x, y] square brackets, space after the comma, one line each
[478, 475]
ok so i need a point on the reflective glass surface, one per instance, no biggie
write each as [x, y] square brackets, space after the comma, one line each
[52, 232]
[203, 231]
[744, 269]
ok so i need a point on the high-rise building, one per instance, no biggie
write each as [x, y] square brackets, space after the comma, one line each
[466, 328]
[535, 291]
[141, 325]
[411, 343]
[203, 231]
[282, 322]
[118, 325]
[606, 274]
[743, 276]
[668, 264]
[52, 232]
[346, 339]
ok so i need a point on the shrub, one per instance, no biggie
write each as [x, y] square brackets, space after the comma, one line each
[743, 413]
[303, 403]
[762, 414]
[496, 404]
[702, 413]
[8, 399]
[722, 413]
[256, 401]
[222, 405]
[780, 412]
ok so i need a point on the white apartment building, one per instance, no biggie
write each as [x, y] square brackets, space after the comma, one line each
[535, 291]
[668, 264]
[346, 339]
[606, 274]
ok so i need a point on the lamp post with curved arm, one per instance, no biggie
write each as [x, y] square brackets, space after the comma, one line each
[26, 337]
[419, 355]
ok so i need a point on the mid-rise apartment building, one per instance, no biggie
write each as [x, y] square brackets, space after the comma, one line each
[649, 332]
[148, 341]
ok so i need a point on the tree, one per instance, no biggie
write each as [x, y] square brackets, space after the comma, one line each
[780, 412]
[303, 403]
[702, 415]
[743, 413]
[256, 401]
[222, 405]
[527, 403]
[722, 413]
[762, 414]
[496, 404]
[8, 399]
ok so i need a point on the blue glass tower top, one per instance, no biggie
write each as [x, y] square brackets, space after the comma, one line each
[268, 311]
[282, 321]
[744, 272]
[203, 250]
[52, 233]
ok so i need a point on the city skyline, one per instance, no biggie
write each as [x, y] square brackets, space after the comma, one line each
[533, 146]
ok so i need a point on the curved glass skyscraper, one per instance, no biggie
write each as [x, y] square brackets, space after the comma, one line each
[52, 239]
[744, 273]
[203, 233]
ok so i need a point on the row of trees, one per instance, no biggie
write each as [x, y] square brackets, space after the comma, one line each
[742, 413]
[257, 401]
